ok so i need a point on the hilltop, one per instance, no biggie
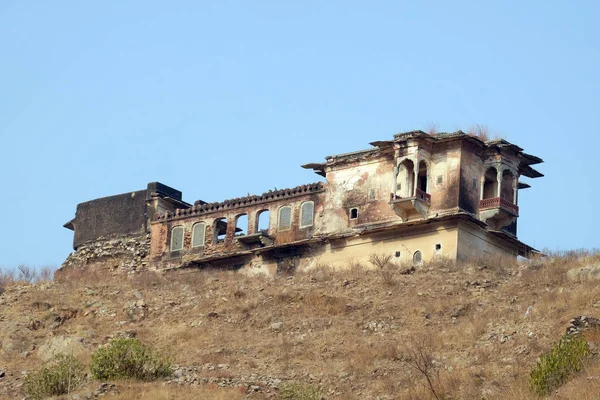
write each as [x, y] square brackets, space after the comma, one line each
[352, 332]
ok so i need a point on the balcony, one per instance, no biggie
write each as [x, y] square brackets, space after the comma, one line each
[497, 212]
[499, 202]
[413, 207]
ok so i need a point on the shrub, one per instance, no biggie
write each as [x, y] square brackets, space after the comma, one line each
[300, 391]
[128, 358]
[58, 377]
[553, 369]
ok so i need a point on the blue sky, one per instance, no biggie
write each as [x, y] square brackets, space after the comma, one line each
[222, 98]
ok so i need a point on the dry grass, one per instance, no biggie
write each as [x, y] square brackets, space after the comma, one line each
[161, 391]
[350, 331]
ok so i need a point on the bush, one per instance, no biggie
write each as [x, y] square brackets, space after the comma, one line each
[553, 369]
[128, 358]
[299, 391]
[58, 377]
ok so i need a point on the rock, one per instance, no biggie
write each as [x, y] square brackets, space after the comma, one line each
[138, 294]
[2, 373]
[460, 311]
[60, 345]
[178, 373]
[276, 326]
[589, 272]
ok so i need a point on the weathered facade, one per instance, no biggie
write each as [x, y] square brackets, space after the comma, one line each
[416, 197]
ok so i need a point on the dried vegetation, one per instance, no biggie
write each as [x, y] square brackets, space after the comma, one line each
[441, 331]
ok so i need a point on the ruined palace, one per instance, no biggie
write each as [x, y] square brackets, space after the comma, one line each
[415, 197]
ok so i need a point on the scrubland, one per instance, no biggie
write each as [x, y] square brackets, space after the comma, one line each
[379, 331]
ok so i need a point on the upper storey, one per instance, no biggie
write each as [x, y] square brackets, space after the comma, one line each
[424, 176]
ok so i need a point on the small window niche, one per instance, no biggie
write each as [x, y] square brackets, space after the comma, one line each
[439, 180]
[372, 194]
[354, 213]
[417, 257]
[198, 233]
[177, 238]
[438, 247]
[398, 254]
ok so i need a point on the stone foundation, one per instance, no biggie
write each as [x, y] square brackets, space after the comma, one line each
[118, 254]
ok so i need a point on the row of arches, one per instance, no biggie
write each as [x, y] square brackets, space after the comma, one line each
[242, 225]
[410, 180]
[499, 184]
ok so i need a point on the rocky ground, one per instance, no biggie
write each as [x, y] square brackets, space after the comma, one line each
[353, 332]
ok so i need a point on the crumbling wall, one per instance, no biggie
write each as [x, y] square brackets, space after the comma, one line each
[364, 184]
[471, 172]
[115, 254]
[233, 244]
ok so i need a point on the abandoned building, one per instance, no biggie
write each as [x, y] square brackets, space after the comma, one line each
[415, 197]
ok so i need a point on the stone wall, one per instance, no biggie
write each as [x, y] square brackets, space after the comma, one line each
[118, 254]
[123, 214]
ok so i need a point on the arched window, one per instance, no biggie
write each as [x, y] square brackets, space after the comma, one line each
[285, 218]
[241, 225]
[417, 257]
[422, 184]
[177, 238]
[262, 221]
[220, 230]
[307, 210]
[405, 183]
[490, 183]
[198, 233]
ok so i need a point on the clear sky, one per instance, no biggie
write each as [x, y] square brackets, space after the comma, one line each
[222, 98]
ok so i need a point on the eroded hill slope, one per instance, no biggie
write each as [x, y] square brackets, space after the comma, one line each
[350, 332]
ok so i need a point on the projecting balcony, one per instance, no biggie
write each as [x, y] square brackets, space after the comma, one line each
[498, 212]
[410, 207]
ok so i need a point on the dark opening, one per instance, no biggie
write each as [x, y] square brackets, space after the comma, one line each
[490, 185]
[353, 213]
[397, 254]
[220, 230]
[422, 176]
[438, 246]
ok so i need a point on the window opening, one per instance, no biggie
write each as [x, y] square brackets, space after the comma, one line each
[285, 218]
[438, 246]
[406, 175]
[440, 179]
[307, 211]
[198, 233]
[241, 225]
[490, 184]
[177, 238]
[417, 257]
[262, 221]
[372, 194]
[397, 254]
[353, 213]
[422, 178]
[220, 230]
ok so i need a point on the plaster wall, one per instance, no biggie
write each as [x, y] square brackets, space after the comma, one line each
[341, 253]
[475, 243]
[364, 185]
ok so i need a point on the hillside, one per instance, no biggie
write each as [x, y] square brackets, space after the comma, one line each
[350, 332]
